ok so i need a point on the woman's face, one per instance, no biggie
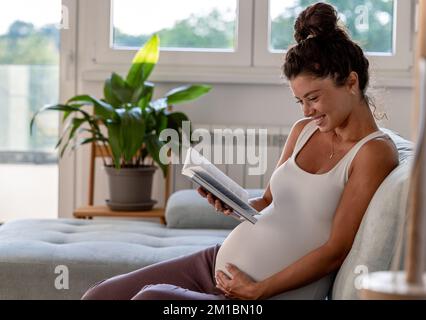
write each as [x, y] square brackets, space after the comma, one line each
[320, 99]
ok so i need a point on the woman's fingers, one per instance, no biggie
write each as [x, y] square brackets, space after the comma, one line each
[202, 192]
[211, 199]
[221, 282]
[228, 212]
[218, 205]
[215, 202]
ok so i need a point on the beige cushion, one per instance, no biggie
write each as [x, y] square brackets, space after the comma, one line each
[186, 209]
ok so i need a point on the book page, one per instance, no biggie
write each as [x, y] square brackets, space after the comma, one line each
[205, 174]
[195, 159]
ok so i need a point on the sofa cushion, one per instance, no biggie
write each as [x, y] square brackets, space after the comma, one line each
[405, 147]
[376, 241]
[187, 209]
[31, 250]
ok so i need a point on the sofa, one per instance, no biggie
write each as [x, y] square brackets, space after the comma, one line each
[61, 259]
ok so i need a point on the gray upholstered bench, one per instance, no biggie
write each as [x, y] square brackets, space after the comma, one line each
[31, 250]
[92, 250]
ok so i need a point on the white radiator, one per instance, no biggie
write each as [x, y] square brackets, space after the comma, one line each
[239, 172]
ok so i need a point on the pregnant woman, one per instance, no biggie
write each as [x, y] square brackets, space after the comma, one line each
[332, 163]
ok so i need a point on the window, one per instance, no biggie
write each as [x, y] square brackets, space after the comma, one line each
[370, 23]
[187, 24]
[216, 37]
[379, 26]
[29, 79]
[234, 40]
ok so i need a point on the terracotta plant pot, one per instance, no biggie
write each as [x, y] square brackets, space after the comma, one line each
[130, 188]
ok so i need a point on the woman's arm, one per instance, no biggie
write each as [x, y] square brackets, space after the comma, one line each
[260, 203]
[373, 163]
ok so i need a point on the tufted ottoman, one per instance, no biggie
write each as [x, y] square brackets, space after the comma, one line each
[35, 255]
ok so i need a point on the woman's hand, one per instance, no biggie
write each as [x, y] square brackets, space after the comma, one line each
[215, 202]
[240, 286]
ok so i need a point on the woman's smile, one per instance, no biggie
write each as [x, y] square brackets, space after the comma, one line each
[319, 120]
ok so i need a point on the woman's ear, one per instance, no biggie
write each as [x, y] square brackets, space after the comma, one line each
[352, 83]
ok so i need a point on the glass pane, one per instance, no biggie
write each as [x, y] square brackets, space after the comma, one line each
[29, 79]
[184, 24]
[370, 22]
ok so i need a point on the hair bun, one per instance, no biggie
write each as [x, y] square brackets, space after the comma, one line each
[319, 19]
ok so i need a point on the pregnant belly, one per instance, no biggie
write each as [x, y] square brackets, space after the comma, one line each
[267, 247]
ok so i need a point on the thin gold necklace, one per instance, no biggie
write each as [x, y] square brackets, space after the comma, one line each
[332, 146]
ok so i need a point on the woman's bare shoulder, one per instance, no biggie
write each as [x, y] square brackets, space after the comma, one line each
[295, 132]
[297, 128]
[291, 140]
[300, 124]
[379, 154]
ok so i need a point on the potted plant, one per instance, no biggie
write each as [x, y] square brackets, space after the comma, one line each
[127, 122]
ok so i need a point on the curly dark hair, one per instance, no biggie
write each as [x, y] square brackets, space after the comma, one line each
[324, 49]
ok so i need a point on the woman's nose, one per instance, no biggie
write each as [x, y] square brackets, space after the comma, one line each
[307, 111]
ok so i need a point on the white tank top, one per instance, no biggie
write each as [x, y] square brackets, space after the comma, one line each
[298, 220]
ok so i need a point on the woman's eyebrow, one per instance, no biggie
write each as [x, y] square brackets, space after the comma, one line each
[309, 93]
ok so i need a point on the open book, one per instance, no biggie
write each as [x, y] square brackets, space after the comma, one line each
[208, 176]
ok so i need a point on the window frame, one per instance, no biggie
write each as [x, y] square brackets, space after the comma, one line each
[68, 88]
[250, 64]
[402, 59]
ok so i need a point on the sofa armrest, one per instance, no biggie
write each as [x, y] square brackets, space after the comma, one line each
[186, 209]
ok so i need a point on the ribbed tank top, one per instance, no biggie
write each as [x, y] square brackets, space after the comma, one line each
[298, 220]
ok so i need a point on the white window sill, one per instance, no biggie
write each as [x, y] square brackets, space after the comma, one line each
[239, 75]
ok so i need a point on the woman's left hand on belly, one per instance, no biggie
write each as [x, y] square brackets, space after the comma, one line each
[240, 286]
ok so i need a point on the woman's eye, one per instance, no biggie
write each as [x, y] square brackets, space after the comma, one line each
[313, 99]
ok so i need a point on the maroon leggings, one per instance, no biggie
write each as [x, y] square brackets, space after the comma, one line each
[190, 277]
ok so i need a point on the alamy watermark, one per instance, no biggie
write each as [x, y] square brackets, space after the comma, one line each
[362, 22]
[65, 19]
[361, 271]
[227, 146]
[62, 281]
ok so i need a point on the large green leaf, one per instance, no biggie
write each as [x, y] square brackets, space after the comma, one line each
[150, 120]
[60, 107]
[143, 103]
[143, 95]
[121, 89]
[162, 121]
[186, 93]
[67, 114]
[176, 119]
[126, 134]
[132, 133]
[75, 124]
[109, 95]
[144, 62]
[114, 141]
[85, 141]
[102, 109]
